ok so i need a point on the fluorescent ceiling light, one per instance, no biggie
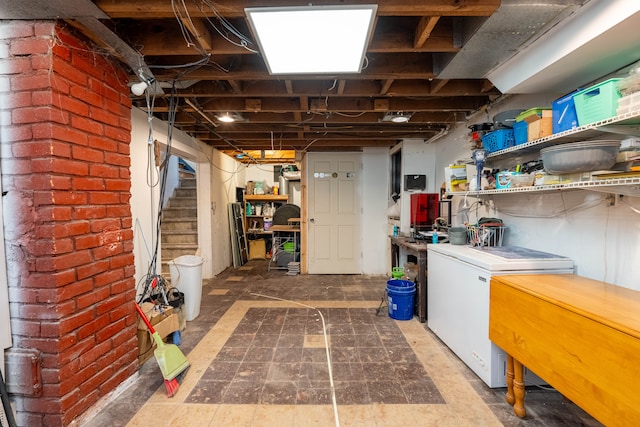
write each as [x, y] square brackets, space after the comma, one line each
[313, 39]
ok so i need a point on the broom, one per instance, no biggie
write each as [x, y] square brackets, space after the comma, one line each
[169, 357]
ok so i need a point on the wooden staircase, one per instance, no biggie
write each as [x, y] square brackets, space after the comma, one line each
[179, 228]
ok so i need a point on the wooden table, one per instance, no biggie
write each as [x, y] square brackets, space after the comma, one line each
[419, 249]
[580, 335]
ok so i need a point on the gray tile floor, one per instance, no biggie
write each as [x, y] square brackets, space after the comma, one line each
[274, 356]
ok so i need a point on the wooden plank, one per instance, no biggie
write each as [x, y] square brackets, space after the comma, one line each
[235, 8]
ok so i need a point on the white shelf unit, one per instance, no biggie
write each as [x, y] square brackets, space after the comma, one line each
[625, 124]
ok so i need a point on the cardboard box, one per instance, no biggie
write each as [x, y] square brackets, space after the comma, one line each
[163, 320]
[539, 126]
[456, 178]
[154, 313]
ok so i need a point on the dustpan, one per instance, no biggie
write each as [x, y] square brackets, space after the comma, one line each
[171, 360]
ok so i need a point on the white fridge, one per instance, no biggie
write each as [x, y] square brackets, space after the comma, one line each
[458, 299]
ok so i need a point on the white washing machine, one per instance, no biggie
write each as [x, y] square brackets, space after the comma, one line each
[458, 299]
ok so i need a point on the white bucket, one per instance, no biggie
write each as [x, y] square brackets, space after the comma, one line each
[186, 276]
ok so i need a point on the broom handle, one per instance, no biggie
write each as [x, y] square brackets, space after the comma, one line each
[144, 319]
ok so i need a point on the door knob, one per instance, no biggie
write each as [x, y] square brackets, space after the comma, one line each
[312, 220]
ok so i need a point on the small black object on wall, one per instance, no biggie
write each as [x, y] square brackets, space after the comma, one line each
[415, 182]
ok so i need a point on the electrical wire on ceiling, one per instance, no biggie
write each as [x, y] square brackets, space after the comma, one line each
[223, 27]
[244, 41]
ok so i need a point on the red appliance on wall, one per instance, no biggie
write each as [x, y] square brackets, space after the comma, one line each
[424, 210]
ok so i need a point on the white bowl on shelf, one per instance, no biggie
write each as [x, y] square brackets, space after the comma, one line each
[583, 156]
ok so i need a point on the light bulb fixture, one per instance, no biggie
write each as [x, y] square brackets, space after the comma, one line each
[398, 117]
[226, 118]
[230, 117]
[313, 39]
[139, 88]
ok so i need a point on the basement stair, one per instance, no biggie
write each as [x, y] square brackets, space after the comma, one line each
[179, 228]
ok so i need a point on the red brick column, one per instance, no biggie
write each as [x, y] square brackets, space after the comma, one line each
[65, 133]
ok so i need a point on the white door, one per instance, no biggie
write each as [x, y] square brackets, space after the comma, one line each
[333, 213]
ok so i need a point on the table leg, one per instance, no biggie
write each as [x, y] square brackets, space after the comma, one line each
[510, 397]
[422, 286]
[518, 389]
[395, 255]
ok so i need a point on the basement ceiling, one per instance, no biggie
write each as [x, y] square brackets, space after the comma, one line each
[426, 59]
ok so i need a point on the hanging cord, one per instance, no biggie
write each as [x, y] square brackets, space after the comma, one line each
[155, 283]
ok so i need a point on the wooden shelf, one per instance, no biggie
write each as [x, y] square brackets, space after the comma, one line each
[266, 198]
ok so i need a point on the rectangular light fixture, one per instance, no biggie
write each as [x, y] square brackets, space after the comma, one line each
[313, 39]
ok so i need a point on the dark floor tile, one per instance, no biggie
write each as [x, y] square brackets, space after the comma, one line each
[314, 327]
[284, 371]
[221, 371]
[259, 354]
[408, 371]
[288, 355]
[231, 354]
[388, 392]
[265, 340]
[421, 391]
[343, 341]
[279, 393]
[373, 354]
[316, 373]
[316, 355]
[252, 371]
[269, 329]
[248, 327]
[240, 340]
[242, 393]
[293, 328]
[207, 391]
[344, 354]
[364, 331]
[313, 396]
[300, 313]
[340, 328]
[287, 340]
[352, 393]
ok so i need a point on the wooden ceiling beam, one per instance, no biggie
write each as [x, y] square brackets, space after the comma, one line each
[235, 8]
[425, 27]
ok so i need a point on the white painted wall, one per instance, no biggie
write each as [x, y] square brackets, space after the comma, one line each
[375, 190]
[418, 158]
[604, 242]
[145, 191]
[226, 175]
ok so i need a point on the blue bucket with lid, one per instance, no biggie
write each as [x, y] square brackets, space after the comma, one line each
[400, 298]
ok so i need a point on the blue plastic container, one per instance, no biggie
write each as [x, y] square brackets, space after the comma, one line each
[400, 297]
[564, 114]
[521, 132]
[498, 140]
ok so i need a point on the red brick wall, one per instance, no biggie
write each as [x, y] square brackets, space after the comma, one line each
[65, 134]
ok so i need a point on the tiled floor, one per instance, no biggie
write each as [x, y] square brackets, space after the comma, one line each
[258, 358]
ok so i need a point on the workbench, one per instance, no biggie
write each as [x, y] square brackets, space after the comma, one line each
[418, 248]
[580, 335]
